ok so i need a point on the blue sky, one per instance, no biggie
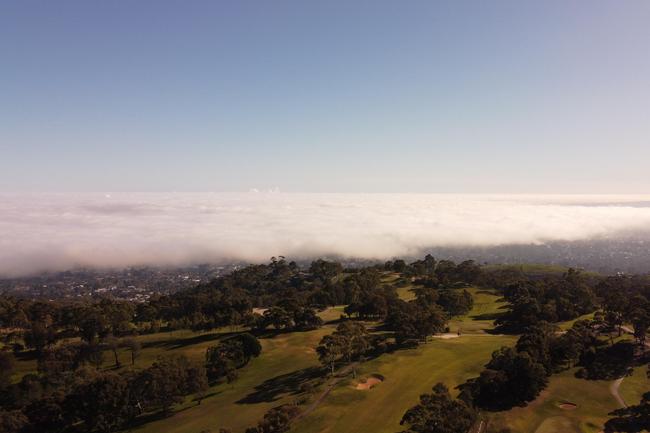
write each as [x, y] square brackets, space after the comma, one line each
[306, 96]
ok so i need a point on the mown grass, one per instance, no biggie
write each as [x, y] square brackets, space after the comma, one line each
[287, 359]
[404, 288]
[564, 326]
[487, 307]
[270, 380]
[190, 343]
[406, 292]
[634, 386]
[25, 364]
[331, 314]
[592, 398]
[407, 373]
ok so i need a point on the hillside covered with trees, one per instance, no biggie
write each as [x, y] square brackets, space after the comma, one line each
[79, 381]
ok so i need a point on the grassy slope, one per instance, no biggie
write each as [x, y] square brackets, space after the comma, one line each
[409, 373]
[592, 397]
[404, 292]
[634, 386]
[190, 343]
[331, 313]
[281, 355]
[486, 307]
[24, 365]
[569, 323]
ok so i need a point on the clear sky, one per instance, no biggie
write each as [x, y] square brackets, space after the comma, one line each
[337, 96]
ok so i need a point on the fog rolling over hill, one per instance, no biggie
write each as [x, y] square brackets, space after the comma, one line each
[61, 231]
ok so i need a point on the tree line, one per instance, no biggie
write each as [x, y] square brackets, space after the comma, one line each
[69, 395]
[515, 376]
[282, 296]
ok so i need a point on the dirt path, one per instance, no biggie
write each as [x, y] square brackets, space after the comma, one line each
[329, 386]
[478, 427]
[613, 388]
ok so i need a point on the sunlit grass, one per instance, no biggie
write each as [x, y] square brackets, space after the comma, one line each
[592, 398]
[407, 373]
[281, 355]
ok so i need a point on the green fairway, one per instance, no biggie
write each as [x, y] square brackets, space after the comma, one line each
[407, 374]
[189, 343]
[288, 360]
[25, 364]
[592, 398]
[569, 323]
[271, 373]
[265, 383]
[634, 386]
[406, 293]
[403, 286]
[331, 313]
[487, 306]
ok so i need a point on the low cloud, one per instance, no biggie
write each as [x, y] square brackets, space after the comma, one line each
[62, 231]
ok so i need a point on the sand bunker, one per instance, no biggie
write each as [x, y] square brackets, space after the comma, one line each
[567, 405]
[446, 336]
[369, 383]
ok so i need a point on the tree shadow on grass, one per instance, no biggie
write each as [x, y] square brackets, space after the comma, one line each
[148, 417]
[179, 343]
[487, 292]
[486, 316]
[499, 331]
[211, 394]
[630, 419]
[272, 389]
[157, 415]
[272, 332]
[26, 355]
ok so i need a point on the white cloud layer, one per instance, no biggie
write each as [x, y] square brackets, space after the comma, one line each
[61, 231]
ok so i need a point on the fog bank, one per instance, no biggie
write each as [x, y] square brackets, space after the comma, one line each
[61, 231]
